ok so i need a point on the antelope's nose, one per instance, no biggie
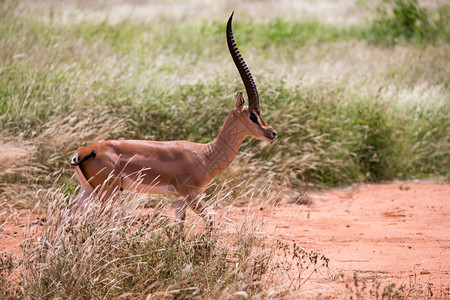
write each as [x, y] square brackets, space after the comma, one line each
[274, 134]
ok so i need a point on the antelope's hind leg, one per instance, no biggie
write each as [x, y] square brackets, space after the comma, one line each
[86, 191]
[81, 199]
[108, 190]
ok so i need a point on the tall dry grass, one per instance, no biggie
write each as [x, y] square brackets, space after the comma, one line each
[18, 171]
[117, 250]
[347, 109]
[26, 163]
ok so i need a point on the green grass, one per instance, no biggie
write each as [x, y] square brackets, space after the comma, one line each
[406, 20]
[340, 114]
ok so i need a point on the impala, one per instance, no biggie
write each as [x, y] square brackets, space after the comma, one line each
[179, 168]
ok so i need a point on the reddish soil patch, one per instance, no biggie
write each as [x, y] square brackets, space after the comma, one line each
[392, 233]
[398, 233]
[12, 229]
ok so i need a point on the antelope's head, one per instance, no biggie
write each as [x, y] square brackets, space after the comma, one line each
[248, 115]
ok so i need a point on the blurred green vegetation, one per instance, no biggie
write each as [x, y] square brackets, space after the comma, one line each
[330, 134]
[400, 20]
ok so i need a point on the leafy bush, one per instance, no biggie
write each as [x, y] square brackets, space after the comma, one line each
[399, 20]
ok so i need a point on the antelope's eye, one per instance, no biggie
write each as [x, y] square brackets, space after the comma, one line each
[254, 118]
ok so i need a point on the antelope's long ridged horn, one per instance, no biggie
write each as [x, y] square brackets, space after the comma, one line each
[247, 79]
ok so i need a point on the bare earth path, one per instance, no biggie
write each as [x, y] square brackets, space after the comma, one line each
[397, 233]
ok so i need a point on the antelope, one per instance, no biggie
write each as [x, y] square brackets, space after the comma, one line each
[179, 168]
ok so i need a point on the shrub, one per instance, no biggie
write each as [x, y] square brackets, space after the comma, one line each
[399, 20]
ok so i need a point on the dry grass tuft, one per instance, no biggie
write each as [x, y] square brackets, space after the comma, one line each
[116, 249]
[110, 249]
[62, 134]
[18, 170]
[27, 164]
[15, 157]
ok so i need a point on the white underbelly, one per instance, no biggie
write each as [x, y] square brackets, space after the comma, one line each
[155, 188]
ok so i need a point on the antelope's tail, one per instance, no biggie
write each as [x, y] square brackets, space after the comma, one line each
[80, 158]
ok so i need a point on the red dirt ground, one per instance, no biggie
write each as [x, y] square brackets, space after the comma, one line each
[397, 233]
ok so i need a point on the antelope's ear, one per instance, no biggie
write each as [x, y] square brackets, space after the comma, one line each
[240, 101]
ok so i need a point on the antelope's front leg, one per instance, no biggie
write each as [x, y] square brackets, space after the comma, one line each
[180, 211]
[197, 206]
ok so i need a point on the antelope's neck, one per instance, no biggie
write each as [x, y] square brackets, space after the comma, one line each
[221, 152]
